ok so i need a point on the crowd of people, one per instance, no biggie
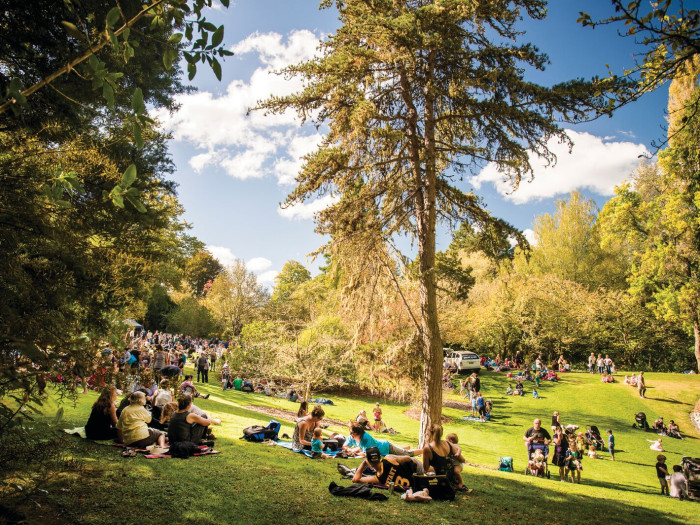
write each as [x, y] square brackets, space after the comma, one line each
[160, 403]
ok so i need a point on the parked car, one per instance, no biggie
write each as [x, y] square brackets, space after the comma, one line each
[464, 361]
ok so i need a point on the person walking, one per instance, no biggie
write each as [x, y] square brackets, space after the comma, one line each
[641, 385]
[203, 368]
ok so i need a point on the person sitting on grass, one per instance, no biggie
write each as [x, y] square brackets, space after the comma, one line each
[439, 457]
[317, 445]
[659, 425]
[164, 395]
[458, 460]
[304, 429]
[365, 440]
[102, 423]
[390, 469]
[363, 420]
[187, 388]
[185, 425]
[168, 410]
[133, 423]
[519, 391]
[509, 390]
[592, 452]
[351, 447]
[673, 430]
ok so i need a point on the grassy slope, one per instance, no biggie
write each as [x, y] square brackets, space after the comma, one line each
[262, 484]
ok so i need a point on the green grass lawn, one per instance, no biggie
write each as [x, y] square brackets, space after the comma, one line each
[254, 483]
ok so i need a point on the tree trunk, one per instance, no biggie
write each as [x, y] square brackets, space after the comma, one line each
[696, 331]
[431, 391]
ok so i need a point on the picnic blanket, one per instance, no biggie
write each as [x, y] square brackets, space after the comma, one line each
[307, 453]
[80, 432]
[473, 418]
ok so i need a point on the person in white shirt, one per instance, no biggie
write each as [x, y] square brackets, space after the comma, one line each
[679, 485]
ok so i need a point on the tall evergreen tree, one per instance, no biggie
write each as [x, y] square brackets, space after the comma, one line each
[415, 93]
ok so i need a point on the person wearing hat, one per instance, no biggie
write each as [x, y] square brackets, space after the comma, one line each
[390, 469]
[661, 473]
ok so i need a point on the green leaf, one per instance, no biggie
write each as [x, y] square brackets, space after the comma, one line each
[125, 34]
[136, 204]
[113, 16]
[138, 137]
[59, 416]
[129, 176]
[169, 57]
[191, 70]
[225, 3]
[112, 38]
[71, 29]
[108, 94]
[175, 38]
[216, 68]
[137, 101]
[188, 32]
[207, 26]
[217, 37]
[118, 201]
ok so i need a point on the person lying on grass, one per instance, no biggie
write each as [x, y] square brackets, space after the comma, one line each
[102, 423]
[185, 425]
[365, 441]
[187, 387]
[390, 469]
[133, 423]
[352, 447]
[304, 429]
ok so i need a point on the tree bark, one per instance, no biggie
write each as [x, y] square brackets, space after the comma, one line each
[696, 331]
[431, 391]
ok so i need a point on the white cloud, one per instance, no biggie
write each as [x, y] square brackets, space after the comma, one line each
[593, 164]
[530, 236]
[223, 255]
[268, 278]
[248, 145]
[258, 264]
[306, 210]
[287, 168]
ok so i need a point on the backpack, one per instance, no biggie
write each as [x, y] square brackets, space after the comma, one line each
[506, 464]
[259, 433]
[439, 486]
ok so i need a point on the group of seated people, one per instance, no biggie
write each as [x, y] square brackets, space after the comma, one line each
[631, 380]
[144, 415]
[607, 378]
[672, 430]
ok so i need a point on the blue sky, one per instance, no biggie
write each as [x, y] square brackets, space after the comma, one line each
[233, 170]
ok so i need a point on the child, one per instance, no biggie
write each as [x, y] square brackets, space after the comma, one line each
[679, 485]
[537, 380]
[509, 390]
[481, 405]
[317, 445]
[611, 445]
[519, 389]
[661, 473]
[377, 417]
[472, 401]
[536, 463]
[535, 395]
[656, 445]
[592, 452]
[573, 463]
[457, 460]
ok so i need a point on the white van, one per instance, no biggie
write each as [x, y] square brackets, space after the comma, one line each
[463, 360]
